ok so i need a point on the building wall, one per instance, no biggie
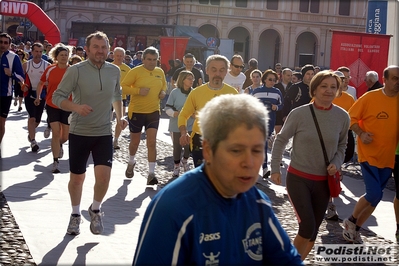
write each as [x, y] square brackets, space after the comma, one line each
[393, 29]
[286, 23]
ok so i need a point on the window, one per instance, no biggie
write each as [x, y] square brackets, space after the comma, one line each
[212, 2]
[304, 6]
[344, 7]
[241, 3]
[272, 4]
[312, 5]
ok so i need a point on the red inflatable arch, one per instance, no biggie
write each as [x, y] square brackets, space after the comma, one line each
[35, 14]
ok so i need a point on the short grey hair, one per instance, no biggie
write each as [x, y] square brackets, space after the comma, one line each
[151, 50]
[120, 49]
[372, 76]
[223, 114]
[217, 57]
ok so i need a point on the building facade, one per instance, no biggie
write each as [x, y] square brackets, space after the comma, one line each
[292, 32]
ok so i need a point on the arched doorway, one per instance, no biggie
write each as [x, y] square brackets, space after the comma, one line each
[306, 49]
[241, 38]
[208, 30]
[269, 49]
[12, 30]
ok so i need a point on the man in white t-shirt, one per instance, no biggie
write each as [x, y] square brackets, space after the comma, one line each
[235, 77]
[346, 87]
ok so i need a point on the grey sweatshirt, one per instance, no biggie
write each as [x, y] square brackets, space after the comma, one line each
[307, 154]
[96, 87]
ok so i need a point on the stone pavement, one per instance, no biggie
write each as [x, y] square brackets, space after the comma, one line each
[39, 202]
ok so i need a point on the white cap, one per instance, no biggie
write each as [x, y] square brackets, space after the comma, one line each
[339, 74]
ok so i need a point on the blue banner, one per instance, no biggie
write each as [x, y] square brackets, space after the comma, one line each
[377, 17]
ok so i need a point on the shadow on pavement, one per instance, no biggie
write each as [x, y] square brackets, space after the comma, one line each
[118, 211]
[24, 191]
[52, 257]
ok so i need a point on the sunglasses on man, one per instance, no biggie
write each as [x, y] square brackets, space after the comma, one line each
[237, 66]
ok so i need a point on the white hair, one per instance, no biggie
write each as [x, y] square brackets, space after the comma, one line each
[372, 76]
[119, 49]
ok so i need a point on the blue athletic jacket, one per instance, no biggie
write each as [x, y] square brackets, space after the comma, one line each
[269, 96]
[10, 60]
[189, 223]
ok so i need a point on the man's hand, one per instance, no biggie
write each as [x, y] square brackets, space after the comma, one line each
[7, 71]
[144, 91]
[24, 87]
[185, 139]
[162, 95]
[122, 123]
[276, 178]
[366, 137]
[84, 110]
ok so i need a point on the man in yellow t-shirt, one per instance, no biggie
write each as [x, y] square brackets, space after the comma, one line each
[374, 119]
[119, 56]
[216, 68]
[146, 85]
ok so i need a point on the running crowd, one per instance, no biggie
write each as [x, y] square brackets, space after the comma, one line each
[81, 87]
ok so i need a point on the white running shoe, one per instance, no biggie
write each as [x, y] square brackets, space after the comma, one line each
[34, 146]
[358, 239]
[129, 173]
[74, 223]
[152, 179]
[96, 223]
[349, 232]
[176, 170]
[331, 212]
[55, 168]
[185, 165]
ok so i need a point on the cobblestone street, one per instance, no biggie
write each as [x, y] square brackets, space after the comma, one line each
[14, 250]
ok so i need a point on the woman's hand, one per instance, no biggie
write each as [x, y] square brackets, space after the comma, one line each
[37, 101]
[184, 139]
[276, 178]
[331, 169]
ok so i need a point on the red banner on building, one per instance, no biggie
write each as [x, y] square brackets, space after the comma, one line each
[360, 52]
[172, 48]
[73, 42]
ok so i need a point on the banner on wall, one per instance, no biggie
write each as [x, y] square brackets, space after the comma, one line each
[73, 42]
[377, 17]
[360, 52]
[119, 41]
[172, 48]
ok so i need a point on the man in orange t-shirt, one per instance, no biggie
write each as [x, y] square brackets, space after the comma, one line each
[374, 119]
